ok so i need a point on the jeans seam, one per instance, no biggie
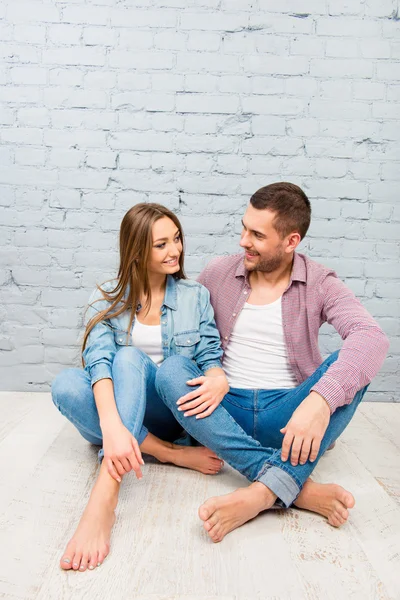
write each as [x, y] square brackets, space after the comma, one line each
[238, 405]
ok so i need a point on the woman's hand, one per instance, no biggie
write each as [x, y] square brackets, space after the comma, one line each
[203, 401]
[121, 452]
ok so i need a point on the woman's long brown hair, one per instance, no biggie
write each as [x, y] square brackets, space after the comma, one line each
[135, 244]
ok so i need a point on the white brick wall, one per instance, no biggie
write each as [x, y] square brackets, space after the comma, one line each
[194, 104]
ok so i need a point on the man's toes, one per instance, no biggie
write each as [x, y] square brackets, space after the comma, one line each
[349, 500]
[212, 521]
[340, 518]
[215, 533]
[207, 526]
[336, 519]
[66, 562]
[333, 520]
[344, 513]
[207, 509]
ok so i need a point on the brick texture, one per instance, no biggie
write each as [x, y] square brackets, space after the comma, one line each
[195, 105]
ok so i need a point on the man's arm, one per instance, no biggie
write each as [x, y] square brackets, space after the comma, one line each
[362, 354]
[364, 348]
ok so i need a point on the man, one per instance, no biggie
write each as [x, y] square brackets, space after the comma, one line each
[285, 407]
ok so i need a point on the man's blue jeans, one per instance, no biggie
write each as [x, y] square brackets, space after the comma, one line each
[244, 429]
[139, 406]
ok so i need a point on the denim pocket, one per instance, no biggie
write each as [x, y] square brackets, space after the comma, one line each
[185, 342]
[122, 338]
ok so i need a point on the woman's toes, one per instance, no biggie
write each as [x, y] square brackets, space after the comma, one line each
[84, 562]
[66, 563]
[76, 561]
[94, 559]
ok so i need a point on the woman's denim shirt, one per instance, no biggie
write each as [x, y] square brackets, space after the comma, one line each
[187, 328]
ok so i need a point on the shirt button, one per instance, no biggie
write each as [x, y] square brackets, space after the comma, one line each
[233, 314]
[226, 337]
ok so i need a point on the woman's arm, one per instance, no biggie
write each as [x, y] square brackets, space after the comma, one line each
[213, 386]
[121, 450]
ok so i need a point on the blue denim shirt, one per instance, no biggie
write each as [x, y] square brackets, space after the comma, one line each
[187, 328]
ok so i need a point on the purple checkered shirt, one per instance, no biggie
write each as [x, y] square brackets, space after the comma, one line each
[314, 296]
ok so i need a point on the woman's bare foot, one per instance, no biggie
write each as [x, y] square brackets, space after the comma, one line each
[90, 543]
[327, 499]
[223, 514]
[197, 458]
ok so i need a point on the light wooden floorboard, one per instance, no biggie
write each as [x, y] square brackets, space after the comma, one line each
[159, 549]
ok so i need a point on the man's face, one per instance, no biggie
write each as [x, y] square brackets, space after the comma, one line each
[264, 248]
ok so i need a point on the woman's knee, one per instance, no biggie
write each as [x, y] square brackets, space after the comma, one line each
[69, 388]
[130, 355]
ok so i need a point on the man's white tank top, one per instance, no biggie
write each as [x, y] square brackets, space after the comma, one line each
[256, 356]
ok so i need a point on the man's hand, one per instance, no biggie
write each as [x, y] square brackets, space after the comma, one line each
[305, 430]
[121, 452]
[203, 401]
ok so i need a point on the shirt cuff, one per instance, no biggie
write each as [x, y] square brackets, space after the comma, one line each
[331, 391]
[99, 371]
[211, 365]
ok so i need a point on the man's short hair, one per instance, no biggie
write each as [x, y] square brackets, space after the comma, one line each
[289, 202]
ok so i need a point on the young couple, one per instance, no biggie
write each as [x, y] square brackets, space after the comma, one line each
[152, 373]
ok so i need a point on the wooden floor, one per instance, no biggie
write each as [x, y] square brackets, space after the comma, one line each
[159, 549]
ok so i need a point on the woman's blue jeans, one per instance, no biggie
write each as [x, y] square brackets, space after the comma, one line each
[139, 405]
[245, 428]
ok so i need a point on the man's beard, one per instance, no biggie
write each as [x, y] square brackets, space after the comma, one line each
[268, 265]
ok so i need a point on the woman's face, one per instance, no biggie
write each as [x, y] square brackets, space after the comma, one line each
[166, 248]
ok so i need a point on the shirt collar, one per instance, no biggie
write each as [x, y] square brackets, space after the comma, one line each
[298, 270]
[170, 297]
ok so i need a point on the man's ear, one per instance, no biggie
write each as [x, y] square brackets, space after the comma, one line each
[293, 240]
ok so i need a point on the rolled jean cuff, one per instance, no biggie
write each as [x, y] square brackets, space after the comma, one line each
[280, 483]
[142, 435]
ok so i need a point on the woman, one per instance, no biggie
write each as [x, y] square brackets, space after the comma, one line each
[150, 312]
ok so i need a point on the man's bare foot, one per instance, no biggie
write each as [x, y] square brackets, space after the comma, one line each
[90, 543]
[327, 499]
[197, 458]
[223, 514]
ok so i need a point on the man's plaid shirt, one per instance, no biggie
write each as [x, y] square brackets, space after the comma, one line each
[314, 296]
